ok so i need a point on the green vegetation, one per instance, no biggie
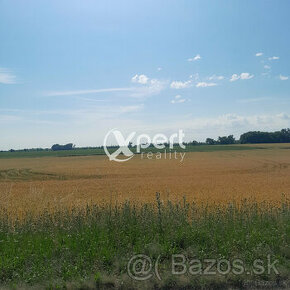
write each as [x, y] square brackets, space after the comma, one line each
[100, 151]
[50, 153]
[253, 137]
[282, 136]
[57, 147]
[225, 140]
[91, 247]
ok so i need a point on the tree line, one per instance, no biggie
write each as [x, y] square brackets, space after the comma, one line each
[251, 137]
[57, 147]
[282, 136]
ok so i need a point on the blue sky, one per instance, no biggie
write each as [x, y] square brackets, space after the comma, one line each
[72, 70]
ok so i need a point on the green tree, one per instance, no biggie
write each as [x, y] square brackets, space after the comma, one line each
[210, 141]
[226, 140]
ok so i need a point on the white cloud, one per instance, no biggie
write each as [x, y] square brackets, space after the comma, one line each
[259, 53]
[245, 123]
[159, 68]
[129, 109]
[246, 76]
[234, 124]
[194, 76]
[85, 92]
[234, 77]
[267, 66]
[197, 57]
[88, 120]
[205, 84]
[253, 100]
[283, 78]
[274, 58]
[177, 99]
[6, 77]
[265, 74]
[180, 84]
[242, 76]
[215, 77]
[201, 128]
[153, 87]
[141, 79]
[135, 79]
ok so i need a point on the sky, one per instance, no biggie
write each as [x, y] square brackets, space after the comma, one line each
[70, 70]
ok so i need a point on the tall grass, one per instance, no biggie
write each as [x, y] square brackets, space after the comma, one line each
[93, 244]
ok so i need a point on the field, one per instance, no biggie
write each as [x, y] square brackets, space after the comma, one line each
[219, 176]
[75, 221]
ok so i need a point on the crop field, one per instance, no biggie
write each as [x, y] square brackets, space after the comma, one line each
[74, 222]
[221, 176]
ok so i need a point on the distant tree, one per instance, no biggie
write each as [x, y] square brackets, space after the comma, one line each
[231, 139]
[11, 150]
[57, 147]
[69, 146]
[223, 140]
[210, 141]
[194, 143]
[226, 140]
[285, 135]
[282, 136]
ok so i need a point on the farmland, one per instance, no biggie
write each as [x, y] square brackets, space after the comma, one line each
[216, 176]
[75, 221]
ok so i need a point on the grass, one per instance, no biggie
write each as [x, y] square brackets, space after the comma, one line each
[100, 151]
[91, 246]
[50, 153]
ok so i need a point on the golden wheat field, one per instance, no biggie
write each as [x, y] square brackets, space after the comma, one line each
[35, 184]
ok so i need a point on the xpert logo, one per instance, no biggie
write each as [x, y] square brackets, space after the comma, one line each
[124, 150]
[123, 146]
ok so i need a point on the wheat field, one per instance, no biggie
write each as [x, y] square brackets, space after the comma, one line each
[37, 184]
[75, 222]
